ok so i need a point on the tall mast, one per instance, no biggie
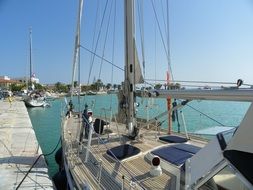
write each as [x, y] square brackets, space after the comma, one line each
[30, 53]
[129, 84]
[76, 59]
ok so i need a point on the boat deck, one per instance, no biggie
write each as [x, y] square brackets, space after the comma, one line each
[126, 174]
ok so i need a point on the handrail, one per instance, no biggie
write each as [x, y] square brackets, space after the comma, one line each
[128, 177]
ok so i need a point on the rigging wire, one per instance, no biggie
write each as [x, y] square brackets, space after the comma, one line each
[106, 35]
[102, 58]
[94, 32]
[167, 52]
[164, 23]
[155, 53]
[113, 49]
[205, 115]
[140, 14]
[159, 27]
[168, 42]
[99, 33]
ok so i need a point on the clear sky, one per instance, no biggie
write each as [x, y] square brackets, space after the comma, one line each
[210, 40]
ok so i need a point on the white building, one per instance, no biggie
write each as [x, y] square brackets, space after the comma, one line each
[5, 78]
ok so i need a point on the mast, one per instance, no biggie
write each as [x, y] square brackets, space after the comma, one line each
[129, 83]
[76, 59]
[30, 54]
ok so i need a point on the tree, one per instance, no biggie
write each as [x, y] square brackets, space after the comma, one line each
[75, 84]
[108, 86]
[38, 86]
[114, 86]
[59, 87]
[85, 88]
[93, 87]
[17, 87]
[98, 84]
[158, 86]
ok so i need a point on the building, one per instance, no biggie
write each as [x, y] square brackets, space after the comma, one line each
[5, 82]
[25, 79]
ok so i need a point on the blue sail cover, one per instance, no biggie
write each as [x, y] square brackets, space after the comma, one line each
[176, 154]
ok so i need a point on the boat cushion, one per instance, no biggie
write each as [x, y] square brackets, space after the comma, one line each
[123, 151]
[173, 139]
[176, 154]
[187, 147]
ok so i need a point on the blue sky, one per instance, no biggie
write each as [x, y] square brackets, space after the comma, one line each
[209, 40]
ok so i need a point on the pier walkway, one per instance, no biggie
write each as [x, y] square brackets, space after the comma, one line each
[19, 149]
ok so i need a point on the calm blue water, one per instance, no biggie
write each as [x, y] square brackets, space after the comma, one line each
[47, 121]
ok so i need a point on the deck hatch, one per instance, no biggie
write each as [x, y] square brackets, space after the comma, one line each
[123, 151]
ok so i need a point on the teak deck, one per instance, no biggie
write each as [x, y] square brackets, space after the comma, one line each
[114, 175]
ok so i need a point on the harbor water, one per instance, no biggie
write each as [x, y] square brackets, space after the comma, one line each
[198, 115]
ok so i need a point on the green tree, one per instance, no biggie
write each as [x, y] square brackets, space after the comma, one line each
[38, 86]
[69, 87]
[108, 86]
[98, 84]
[158, 86]
[59, 87]
[17, 87]
[75, 84]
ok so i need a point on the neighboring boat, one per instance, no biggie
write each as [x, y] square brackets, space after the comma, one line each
[91, 93]
[97, 154]
[33, 98]
[101, 93]
[112, 91]
[36, 103]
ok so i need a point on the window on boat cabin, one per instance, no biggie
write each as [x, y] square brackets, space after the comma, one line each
[224, 180]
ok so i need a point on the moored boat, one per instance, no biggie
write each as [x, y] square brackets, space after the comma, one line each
[122, 152]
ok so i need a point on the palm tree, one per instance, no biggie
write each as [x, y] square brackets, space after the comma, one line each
[108, 86]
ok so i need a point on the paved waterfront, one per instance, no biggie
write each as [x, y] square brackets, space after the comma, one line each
[19, 149]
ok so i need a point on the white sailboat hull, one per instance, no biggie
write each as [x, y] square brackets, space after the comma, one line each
[34, 103]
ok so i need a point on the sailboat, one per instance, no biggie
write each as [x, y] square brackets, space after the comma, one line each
[126, 154]
[33, 98]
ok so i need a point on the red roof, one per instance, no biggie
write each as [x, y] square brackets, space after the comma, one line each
[3, 81]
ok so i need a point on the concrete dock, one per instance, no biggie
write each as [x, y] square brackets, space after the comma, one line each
[19, 149]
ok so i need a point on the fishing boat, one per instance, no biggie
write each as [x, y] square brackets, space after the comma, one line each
[127, 153]
[33, 98]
